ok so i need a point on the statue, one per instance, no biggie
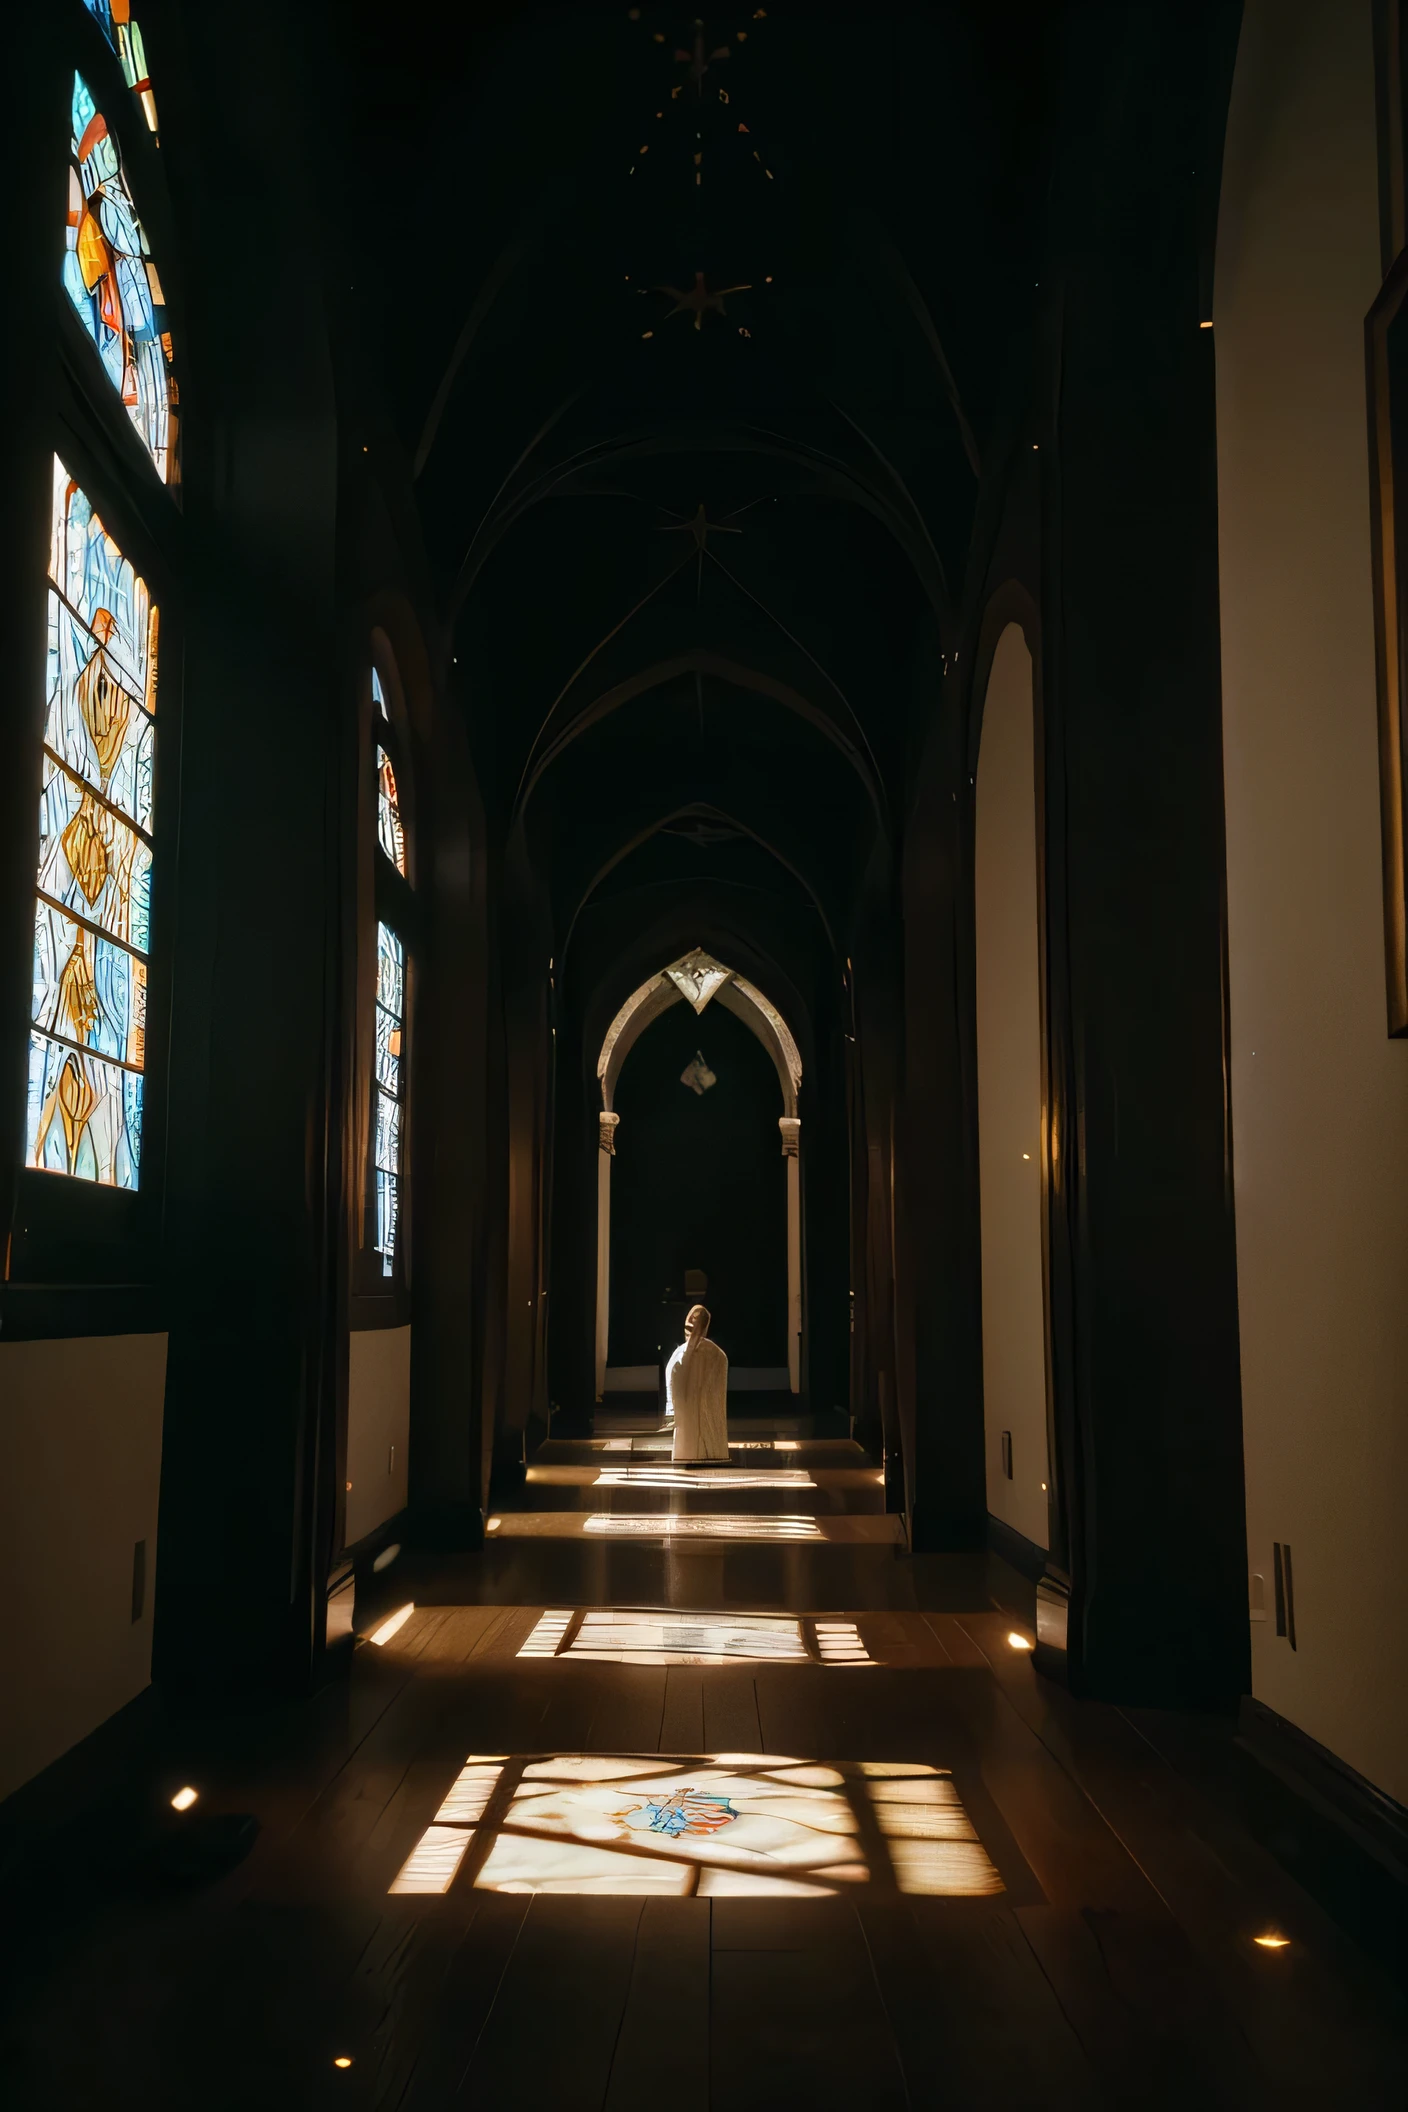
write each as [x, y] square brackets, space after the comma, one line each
[696, 1393]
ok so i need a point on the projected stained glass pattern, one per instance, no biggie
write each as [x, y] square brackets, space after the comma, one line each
[388, 1091]
[630, 1638]
[717, 1825]
[113, 283]
[702, 1525]
[643, 1636]
[114, 18]
[92, 935]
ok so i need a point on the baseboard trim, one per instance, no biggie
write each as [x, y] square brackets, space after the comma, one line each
[1373, 1820]
[1015, 1548]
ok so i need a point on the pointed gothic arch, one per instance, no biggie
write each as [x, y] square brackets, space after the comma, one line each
[696, 979]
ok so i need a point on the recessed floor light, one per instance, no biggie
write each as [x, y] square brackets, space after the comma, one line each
[184, 1799]
[1018, 1642]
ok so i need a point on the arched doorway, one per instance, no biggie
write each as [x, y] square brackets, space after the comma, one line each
[697, 1197]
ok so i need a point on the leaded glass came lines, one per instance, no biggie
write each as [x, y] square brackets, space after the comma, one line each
[92, 917]
[114, 18]
[113, 283]
[390, 834]
[388, 1089]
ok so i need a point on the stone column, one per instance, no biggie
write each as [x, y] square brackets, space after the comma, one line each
[791, 1128]
[606, 1152]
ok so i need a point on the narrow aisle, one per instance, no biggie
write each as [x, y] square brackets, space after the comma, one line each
[599, 1855]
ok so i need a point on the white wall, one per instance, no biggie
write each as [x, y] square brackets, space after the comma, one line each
[80, 1472]
[378, 1426]
[1009, 1092]
[1319, 1093]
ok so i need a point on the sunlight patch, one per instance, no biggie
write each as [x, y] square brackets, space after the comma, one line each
[721, 1824]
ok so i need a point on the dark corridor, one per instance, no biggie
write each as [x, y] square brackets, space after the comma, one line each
[699, 1182]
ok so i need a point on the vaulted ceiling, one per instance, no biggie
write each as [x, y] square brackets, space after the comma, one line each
[696, 333]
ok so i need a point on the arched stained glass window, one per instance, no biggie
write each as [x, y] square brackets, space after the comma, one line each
[113, 283]
[389, 1089]
[390, 850]
[92, 938]
[114, 18]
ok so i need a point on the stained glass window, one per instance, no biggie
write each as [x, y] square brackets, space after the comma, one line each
[114, 18]
[113, 283]
[389, 1091]
[390, 834]
[92, 936]
[379, 695]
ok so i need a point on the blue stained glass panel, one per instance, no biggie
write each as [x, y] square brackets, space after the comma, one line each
[386, 1094]
[85, 1115]
[92, 922]
[113, 282]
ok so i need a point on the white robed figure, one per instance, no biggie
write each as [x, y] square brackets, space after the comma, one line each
[696, 1392]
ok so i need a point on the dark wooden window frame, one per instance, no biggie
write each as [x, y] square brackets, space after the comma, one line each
[84, 1258]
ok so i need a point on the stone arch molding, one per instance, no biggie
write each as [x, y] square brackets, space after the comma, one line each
[696, 979]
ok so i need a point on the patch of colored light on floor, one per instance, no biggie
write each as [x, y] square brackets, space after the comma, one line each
[839, 1644]
[668, 1477]
[644, 1638]
[714, 1825]
[547, 1636]
[700, 1525]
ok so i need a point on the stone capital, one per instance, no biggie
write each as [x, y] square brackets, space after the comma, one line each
[791, 1127]
[606, 1132]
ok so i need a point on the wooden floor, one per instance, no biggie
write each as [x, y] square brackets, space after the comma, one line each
[1117, 1966]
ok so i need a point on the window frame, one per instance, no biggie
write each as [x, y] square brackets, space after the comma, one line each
[83, 1256]
[390, 900]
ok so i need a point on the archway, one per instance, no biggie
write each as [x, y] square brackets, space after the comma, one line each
[697, 979]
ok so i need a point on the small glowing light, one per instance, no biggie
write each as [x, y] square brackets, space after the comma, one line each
[1026, 1154]
[1269, 1943]
[1207, 326]
[184, 1799]
[1018, 1642]
[493, 1525]
[387, 1556]
[342, 2060]
[1036, 447]
[349, 1488]
[392, 1625]
[1043, 1486]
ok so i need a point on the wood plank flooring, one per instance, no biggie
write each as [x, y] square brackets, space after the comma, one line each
[1116, 1968]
